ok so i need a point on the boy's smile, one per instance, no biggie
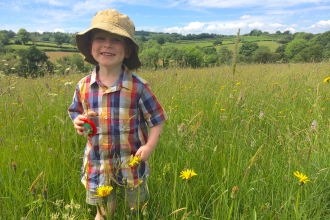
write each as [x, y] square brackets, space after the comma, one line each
[108, 50]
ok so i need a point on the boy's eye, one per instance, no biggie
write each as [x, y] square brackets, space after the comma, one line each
[115, 40]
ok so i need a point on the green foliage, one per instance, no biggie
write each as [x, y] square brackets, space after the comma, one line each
[149, 57]
[72, 64]
[321, 39]
[225, 55]
[248, 48]
[217, 42]
[33, 63]
[263, 55]
[294, 47]
[61, 38]
[309, 54]
[192, 57]
[303, 35]
[255, 32]
[23, 35]
[4, 39]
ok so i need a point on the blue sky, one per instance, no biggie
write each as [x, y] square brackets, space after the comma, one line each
[171, 16]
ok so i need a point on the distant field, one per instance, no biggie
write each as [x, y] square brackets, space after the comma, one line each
[53, 56]
[271, 44]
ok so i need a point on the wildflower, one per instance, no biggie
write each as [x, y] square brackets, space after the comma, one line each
[103, 191]
[14, 166]
[134, 161]
[234, 192]
[313, 126]
[187, 174]
[326, 80]
[302, 178]
[238, 83]
[68, 83]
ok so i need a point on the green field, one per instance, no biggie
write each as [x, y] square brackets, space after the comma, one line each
[229, 42]
[244, 135]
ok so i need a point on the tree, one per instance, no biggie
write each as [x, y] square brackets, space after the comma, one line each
[262, 55]
[255, 32]
[61, 38]
[309, 54]
[248, 48]
[150, 44]
[33, 62]
[192, 57]
[225, 55]
[166, 54]
[149, 57]
[73, 41]
[4, 39]
[294, 47]
[321, 39]
[23, 35]
[217, 42]
[33, 38]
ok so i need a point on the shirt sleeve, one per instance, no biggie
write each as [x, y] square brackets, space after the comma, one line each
[76, 107]
[152, 110]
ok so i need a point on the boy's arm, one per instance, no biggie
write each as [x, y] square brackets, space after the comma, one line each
[146, 150]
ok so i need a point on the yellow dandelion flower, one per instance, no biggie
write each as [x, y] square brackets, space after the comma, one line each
[302, 178]
[234, 192]
[187, 174]
[103, 191]
[326, 80]
[134, 161]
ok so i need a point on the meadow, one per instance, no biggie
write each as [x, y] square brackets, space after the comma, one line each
[244, 135]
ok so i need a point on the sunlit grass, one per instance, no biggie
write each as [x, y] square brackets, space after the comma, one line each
[244, 136]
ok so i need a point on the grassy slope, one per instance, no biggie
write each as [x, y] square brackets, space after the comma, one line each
[222, 137]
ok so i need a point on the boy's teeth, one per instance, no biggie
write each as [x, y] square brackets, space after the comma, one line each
[108, 54]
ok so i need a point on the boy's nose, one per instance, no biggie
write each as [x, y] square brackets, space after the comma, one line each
[108, 43]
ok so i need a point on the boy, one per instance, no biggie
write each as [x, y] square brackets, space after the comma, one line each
[121, 105]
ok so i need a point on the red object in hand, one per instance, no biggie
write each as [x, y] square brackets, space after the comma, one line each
[90, 127]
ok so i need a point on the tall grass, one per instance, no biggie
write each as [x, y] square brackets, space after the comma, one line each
[244, 135]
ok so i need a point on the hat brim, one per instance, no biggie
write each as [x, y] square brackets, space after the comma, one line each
[83, 44]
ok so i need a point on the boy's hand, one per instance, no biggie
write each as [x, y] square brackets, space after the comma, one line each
[78, 123]
[144, 152]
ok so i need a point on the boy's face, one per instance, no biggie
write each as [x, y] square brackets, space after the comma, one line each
[109, 49]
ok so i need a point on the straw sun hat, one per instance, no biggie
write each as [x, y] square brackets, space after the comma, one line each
[113, 22]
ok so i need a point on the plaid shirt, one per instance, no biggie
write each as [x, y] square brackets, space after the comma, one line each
[125, 110]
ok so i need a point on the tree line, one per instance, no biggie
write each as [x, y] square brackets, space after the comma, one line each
[33, 62]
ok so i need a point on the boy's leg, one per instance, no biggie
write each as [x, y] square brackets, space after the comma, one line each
[111, 209]
[93, 200]
[136, 197]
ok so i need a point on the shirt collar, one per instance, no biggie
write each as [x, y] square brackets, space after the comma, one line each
[126, 82]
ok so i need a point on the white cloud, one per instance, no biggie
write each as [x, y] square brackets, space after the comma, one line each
[40, 32]
[275, 25]
[322, 24]
[245, 16]
[194, 27]
[292, 30]
[59, 30]
[256, 25]
[173, 30]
